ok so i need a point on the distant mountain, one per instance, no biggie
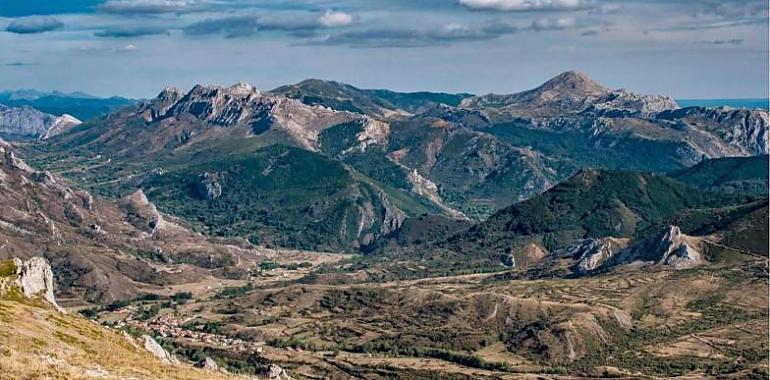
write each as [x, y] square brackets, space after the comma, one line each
[362, 166]
[80, 105]
[28, 123]
[717, 103]
[375, 103]
[566, 94]
[582, 122]
[236, 162]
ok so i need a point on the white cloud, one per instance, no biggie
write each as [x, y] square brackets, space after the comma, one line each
[332, 19]
[525, 5]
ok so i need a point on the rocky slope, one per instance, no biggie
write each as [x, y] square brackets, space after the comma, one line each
[742, 128]
[28, 123]
[101, 250]
[39, 341]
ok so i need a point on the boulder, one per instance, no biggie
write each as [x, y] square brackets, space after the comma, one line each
[275, 372]
[209, 364]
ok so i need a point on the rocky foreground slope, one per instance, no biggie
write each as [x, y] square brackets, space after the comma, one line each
[39, 340]
[103, 250]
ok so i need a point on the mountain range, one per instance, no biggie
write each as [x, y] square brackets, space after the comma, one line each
[571, 230]
[379, 157]
[78, 104]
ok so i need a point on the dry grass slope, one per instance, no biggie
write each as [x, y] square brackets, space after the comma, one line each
[36, 342]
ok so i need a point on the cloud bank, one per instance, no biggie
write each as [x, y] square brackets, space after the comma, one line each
[33, 24]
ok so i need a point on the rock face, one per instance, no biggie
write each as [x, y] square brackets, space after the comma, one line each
[60, 125]
[156, 349]
[621, 103]
[590, 254]
[241, 105]
[741, 128]
[35, 278]
[28, 123]
[669, 247]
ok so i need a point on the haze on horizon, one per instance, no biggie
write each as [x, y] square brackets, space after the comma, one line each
[684, 49]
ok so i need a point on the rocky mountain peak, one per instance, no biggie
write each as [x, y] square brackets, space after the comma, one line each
[574, 82]
[171, 93]
[242, 89]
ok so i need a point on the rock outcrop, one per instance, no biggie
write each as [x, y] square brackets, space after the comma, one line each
[669, 247]
[157, 350]
[144, 215]
[35, 279]
[208, 364]
[590, 254]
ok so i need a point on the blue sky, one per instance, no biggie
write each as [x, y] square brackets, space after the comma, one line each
[685, 48]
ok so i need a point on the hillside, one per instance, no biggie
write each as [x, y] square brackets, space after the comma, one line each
[739, 174]
[109, 250]
[593, 204]
[39, 342]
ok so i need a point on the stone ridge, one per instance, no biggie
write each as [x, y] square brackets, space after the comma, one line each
[30, 123]
[241, 105]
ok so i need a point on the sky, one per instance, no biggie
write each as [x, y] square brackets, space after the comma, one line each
[135, 48]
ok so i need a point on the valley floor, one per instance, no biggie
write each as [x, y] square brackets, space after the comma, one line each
[635, 323]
